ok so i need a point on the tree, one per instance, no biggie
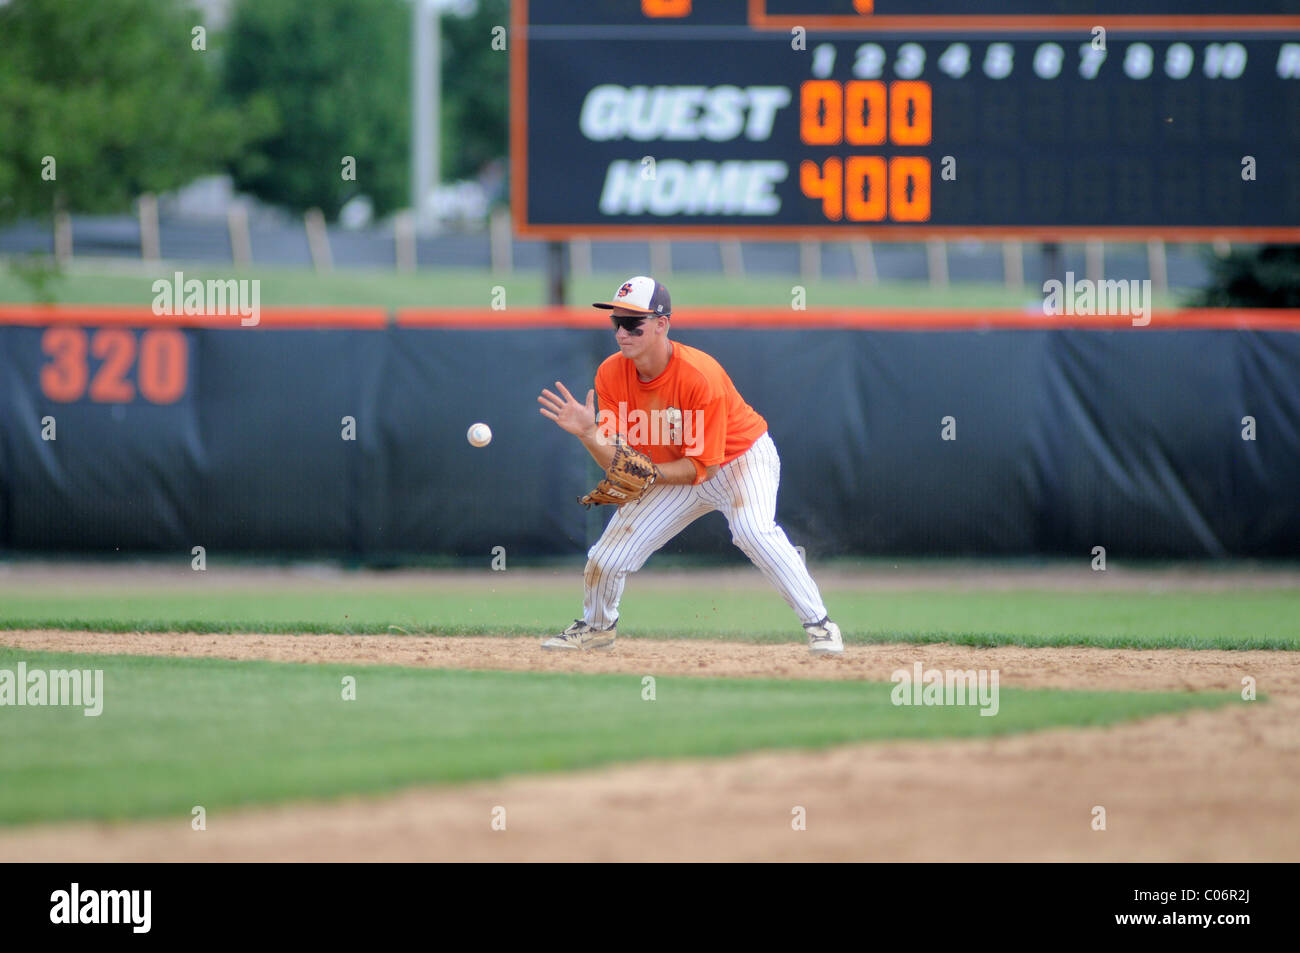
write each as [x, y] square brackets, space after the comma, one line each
[337, 75]
[102, 101]
[1266, 277]
[475, 90]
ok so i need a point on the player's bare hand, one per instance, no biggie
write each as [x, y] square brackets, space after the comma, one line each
[578, 419]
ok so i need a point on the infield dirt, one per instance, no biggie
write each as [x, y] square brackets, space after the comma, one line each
[1207, 785]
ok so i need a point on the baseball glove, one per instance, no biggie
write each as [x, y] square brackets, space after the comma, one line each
[630, 474]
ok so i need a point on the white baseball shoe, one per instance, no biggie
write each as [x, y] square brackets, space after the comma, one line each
[824, 638]
[582, 636]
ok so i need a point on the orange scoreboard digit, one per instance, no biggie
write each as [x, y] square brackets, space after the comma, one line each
[1177, 119]
[867, 188]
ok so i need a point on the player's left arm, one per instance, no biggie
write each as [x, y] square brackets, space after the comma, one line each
[704, 424]
[683, 472]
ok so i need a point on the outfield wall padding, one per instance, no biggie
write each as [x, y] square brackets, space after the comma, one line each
[1066, 439]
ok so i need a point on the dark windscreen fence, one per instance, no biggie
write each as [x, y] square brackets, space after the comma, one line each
[1060, 440]
[351, 443]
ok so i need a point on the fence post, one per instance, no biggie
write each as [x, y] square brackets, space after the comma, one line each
[810, 260]
[241, 244]
[661, 259]
[864, 261]
[1158, 265]
[500, 247]
[936, 259]
[1013, 263]
[580, 256]
[733, 263]
[1094, 260]
[318, 240]
[62, 237]
[150, 248]
[404, 240]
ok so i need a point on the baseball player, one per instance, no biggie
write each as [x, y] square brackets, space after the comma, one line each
[707, 450]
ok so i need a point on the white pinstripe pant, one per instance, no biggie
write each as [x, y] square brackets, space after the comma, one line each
[745, 491]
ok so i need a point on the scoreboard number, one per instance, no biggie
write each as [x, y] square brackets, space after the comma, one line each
[831, 113]
[869, 188]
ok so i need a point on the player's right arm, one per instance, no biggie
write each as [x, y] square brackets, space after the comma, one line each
[579, 420]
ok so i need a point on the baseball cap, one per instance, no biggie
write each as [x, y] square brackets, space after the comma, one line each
[640, 294]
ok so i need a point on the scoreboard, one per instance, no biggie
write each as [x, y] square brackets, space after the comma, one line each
[1018, 14]
[907, 119]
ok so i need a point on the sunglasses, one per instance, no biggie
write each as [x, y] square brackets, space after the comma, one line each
[631, 323]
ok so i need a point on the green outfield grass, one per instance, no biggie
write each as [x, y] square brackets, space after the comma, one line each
[92, 283]
[176, 733]
[1233, 619]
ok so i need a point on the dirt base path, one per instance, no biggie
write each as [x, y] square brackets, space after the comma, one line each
[1216, 785]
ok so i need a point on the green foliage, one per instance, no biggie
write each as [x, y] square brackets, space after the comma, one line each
[335, 74]
[39, 275]
[116, 94]
[1265, 277]
[475, 87]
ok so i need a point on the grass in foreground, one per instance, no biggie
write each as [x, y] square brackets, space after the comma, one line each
[175, 733]
[1237, 619]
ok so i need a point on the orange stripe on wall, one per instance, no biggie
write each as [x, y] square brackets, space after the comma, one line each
[34, 315]
[893, 320]
[141, 317]
[515, 318]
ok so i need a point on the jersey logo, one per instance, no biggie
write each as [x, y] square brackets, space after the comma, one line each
[655, 428]
[673, 420]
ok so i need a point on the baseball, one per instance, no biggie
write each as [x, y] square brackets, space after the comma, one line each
[480, 435]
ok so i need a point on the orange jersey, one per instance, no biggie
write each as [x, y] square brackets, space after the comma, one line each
[691, 410]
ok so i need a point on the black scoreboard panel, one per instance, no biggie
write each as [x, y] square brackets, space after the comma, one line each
[705, 125]
[926, 15]
[1035, 7]
[1182, 13]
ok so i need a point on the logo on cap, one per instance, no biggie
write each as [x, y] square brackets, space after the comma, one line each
[625, 290]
